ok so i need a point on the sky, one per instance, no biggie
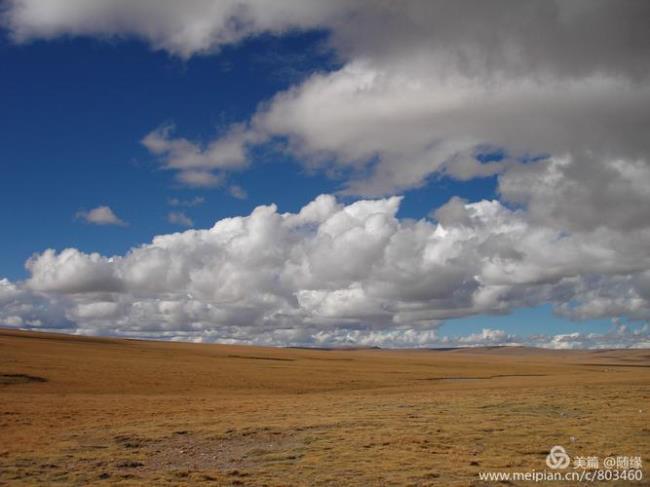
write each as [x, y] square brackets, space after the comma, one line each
[422, 174]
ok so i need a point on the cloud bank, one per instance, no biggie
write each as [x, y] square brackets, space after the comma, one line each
[333, 273]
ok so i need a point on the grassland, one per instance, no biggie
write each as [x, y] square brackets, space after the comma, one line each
[90, 411]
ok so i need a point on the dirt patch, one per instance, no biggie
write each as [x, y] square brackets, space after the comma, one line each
[9, 379]
[239, 449]
[185, 454]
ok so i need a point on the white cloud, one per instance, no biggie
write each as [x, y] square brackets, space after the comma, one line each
[179, 218]
[486, 337]
[199, 178]
[238, 192]
[182, 28]
[390, 127]
[335, 273]
[102, 215]
[180, 153]
[188, 203]
[620, 336]
[196, 165]
[21, 307]
[71, 272]
[582, 191]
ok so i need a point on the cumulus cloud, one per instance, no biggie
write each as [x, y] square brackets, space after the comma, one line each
[179, 218]
[334, 273]
[24, 308]
[71, 271]
[102, 215]
[582, 191]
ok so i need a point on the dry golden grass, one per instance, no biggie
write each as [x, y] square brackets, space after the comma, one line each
[125, 412]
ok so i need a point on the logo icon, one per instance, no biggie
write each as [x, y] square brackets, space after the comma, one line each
[558, 458]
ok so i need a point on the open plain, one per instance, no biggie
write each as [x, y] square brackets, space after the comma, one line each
[100, 411]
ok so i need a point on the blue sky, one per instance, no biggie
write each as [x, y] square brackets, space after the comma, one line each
[75, 109]
[89, 103]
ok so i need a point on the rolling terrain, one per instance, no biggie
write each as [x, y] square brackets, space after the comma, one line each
[102, 411]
